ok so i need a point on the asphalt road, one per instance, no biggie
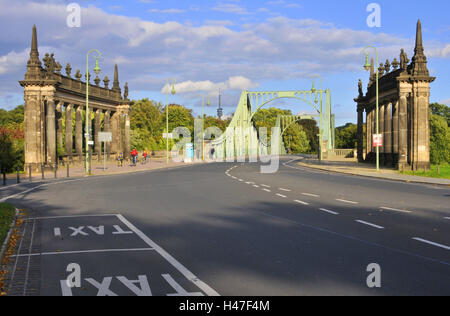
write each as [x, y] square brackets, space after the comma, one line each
[227, 229]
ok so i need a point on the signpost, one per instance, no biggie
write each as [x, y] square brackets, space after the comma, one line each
[105, 138]
[378, 140]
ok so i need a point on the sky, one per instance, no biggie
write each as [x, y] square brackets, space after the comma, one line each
[231, 45]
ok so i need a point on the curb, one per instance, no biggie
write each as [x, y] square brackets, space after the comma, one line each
[371, 176]
[8, 236]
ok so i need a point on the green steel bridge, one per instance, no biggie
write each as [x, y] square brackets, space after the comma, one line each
[242, 138]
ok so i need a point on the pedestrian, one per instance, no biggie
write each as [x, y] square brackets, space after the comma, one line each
[120, 160]
[134, 155]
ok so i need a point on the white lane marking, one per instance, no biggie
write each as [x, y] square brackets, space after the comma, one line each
[370, 224]
[267, 190]
[265, 185]
[57, 231]
[301, 202]
[346, 201]
[446, 217]
[310, 194]
[234, 177]
[432, 243]
[180, 291]
[281, 195]
[69, 216]
[328, 211]
[285, 190]
[394, 209]
[177, 265]
[240, 180]
[256, 186]
[249, 182]
[81, 252]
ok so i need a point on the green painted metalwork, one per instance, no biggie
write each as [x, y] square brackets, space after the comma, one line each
[242, 139]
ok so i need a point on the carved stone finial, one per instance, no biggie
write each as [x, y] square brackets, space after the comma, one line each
[125, 94]
[360, 88]
[395, 64]
[58, 68]
[97, 81]
[78, 75]
[387, 66]
[46, 61]
[381, 70]
[404, 61]
[68, 70]
[106, 82]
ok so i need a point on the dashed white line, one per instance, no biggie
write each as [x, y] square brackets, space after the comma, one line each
[281, 195]
[285, 190]
[57, 231]
[394, 209]
[346, 201]
[301, 202]
[267, 190]
[265, 185]
[370, 224]
[432, 243]
[328, 211]
[310, 194]
[256, 186]
[249, 182]
[446, 217]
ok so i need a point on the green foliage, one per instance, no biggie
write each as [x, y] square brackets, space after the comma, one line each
[7, 213]
[441, 110]
[12, 153]
[346, 136]
[436, 171]
[312, 130]
[295, 138]
[439, 140]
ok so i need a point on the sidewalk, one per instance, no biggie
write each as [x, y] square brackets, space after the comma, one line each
[366, 170]
[77, 171]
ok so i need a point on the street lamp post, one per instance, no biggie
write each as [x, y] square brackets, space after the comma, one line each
[87, 132]
[167, 115]
[208, 103]
[313, 90]
[367, 68]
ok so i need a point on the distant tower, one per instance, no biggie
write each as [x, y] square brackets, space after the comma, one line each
[220, 110]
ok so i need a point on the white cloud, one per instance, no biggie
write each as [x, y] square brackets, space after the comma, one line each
[212, 88]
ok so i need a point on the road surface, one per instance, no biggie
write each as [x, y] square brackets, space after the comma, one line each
[227, 229]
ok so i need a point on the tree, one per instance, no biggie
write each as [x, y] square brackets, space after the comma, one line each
[441, 110]
[439, 141]
[312, 130]
[347, 136]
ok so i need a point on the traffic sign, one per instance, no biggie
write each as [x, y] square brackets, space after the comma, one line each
[105, 137]
[378, 140]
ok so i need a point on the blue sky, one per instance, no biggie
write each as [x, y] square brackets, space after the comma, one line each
[229, 44]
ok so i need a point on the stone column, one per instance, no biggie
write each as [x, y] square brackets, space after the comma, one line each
[69, 131]
[403, 131]
[59, 127]
[51, 132]
[107, 128]
[97, 129]
[369, 132]
[32, 128]
[381, 130]
[79, 132]
[388, 133]
[116, 126]
[127, 142]
[395, 133]
[360, 134]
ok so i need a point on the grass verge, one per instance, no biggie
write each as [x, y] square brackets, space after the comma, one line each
[7, 213]
[444, 172]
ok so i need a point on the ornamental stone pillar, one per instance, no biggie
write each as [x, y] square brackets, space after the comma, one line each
[69, 131]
